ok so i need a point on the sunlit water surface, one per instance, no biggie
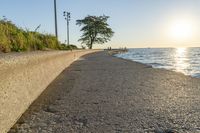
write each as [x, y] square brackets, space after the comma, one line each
[184, 60]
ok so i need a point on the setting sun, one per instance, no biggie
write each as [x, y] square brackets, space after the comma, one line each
[181, 30]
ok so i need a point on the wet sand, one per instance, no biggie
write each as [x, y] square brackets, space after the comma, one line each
[101, 93]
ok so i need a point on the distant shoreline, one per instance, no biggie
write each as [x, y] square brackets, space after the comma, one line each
[117, 51]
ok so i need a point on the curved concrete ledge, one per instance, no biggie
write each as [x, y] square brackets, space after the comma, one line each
[23, 77]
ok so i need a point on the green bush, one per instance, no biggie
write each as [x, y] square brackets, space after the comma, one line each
[16, 39]
[4, 42]
[68, 47]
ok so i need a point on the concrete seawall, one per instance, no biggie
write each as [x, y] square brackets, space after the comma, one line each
[23, 77]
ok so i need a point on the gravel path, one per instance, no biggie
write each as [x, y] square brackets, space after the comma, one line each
[100, 93]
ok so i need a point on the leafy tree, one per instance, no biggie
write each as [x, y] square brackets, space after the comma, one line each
[95, 30]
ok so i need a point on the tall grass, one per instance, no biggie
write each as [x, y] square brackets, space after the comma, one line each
[16, 39]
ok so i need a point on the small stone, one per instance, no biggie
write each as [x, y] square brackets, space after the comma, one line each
[43, 124]
[51, 109]
[166, 131]
[170, 131]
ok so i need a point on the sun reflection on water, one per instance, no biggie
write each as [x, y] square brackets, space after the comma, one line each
[180, 51]
[181, 60]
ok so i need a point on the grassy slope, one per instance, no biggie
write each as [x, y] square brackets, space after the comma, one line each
[16, 39]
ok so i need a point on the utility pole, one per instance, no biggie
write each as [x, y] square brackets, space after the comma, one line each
[55, 13]
[67, 16]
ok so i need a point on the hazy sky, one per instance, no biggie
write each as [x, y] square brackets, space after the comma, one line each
[137, 23]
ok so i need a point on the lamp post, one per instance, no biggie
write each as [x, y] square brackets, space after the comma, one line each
[67, 16]
[55, 14]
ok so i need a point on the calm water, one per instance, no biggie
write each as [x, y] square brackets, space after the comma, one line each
[185, 60]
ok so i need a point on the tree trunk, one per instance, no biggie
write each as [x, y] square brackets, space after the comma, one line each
[90, 47]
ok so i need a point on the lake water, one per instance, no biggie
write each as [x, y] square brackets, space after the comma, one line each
[184, 60]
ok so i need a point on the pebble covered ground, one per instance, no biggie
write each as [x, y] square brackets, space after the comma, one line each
[100, 93]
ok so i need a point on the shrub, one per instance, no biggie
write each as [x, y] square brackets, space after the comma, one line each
[68, 47]
[16, 39]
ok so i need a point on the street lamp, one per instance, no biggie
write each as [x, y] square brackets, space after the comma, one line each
[67, 16]
[55, 13]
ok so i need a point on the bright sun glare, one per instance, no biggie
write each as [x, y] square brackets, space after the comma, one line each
[181, 30]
